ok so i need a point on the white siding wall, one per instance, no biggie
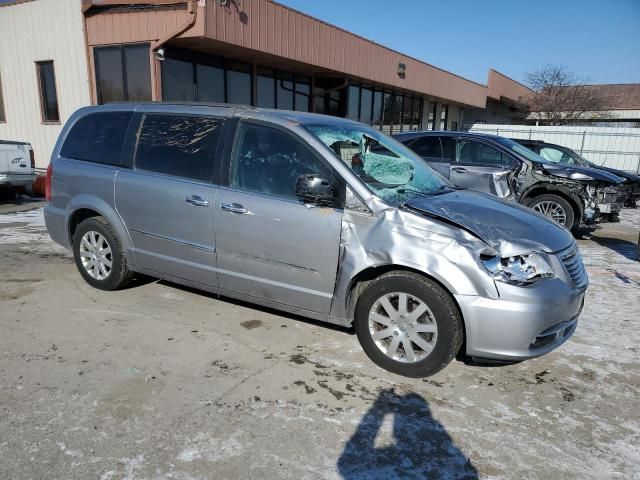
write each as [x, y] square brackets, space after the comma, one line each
[33, 31]
[608, 146]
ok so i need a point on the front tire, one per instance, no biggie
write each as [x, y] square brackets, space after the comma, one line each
[554, 207]
[98, 255]
[408, 324]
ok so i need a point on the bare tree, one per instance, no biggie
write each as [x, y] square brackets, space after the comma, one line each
[560, 98]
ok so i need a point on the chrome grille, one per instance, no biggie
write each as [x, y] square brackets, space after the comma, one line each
[572, 262]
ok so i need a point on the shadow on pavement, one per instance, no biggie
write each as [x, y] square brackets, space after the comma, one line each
[625, 248]
[421, 449]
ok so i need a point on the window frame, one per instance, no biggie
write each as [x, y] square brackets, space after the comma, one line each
[123, 68]
[412, 144]
[131, 142]
[505, 158]
[41, 92]
[231, 152]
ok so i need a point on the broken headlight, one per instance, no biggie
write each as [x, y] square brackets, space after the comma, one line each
[519, 269]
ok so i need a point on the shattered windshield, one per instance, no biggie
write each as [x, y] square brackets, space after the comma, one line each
[389, 169]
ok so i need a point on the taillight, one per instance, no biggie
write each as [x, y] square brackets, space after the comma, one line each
[47, 183]
[33, 158]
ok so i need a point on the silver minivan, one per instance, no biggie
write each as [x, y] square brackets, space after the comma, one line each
[315, 215]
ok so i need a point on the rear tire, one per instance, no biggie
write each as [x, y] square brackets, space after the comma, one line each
[99, 256]
[554, 207]
[415, 340]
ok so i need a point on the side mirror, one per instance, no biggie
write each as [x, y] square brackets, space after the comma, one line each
[315, 188]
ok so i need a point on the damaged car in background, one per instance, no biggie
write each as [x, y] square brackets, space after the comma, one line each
[318, 216]
[566, 156]
[568, 194]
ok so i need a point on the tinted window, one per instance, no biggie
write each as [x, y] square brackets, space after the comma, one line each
[178, 145]
[97, 138]
[428, 148]
[366, 99]
[269, 161]
[303, 91]
[266, 88]
[137, 73]
[48, 93]
[285, 91]
[109, 78]
[239, 84]
[472, 152]
[123, 73]
[448, 149]
[210, 83]
[353, 102]
[177, 80]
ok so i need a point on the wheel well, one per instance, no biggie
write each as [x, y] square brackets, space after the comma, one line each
[78, 217]
[363, 278]
[577, 209]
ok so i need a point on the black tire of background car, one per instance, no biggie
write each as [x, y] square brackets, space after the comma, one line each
[441, 304]
[120, 275]
[568, 209]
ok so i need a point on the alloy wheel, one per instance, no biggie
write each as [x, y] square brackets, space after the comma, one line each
[96, 256]
[553, 210]
[403, 327]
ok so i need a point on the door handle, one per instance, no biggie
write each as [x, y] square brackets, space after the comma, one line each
[197, 201]
[233, 208]
[459, 169]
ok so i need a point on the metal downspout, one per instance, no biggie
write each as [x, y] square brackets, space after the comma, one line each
[156, 85]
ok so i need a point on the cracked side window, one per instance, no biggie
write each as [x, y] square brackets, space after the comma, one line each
[270, 161]
[179, 146]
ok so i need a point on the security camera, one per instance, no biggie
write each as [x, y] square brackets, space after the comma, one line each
[223, 3]
[159, 54]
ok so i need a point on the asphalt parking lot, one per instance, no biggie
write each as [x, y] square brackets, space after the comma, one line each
[162, 382]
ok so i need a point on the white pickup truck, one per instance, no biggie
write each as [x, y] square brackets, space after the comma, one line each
[17, 165]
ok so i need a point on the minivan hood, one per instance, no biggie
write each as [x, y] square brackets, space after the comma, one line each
[565, 171]
[509, 228]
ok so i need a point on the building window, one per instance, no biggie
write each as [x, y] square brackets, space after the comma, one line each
[122, 73]
[239, 83]
[330, 96]
[210, 82]
[353, 102]
[265, 88]
[302, 88]
[178, 82]
[3, 117]
[377, 109]
[48, 93]
[366, 101]
[417, 113]
[432, 124]
[444, 117]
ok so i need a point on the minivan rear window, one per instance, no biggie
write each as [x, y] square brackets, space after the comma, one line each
[177, 145]
[97, 138]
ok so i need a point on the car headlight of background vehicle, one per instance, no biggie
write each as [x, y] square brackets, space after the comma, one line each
[519, 269]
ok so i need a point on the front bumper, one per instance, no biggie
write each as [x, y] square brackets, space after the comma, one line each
[17, 179]
[526, 322]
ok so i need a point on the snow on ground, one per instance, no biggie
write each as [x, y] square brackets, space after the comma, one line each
[135, 384]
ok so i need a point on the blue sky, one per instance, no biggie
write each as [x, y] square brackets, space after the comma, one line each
[599, 40]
